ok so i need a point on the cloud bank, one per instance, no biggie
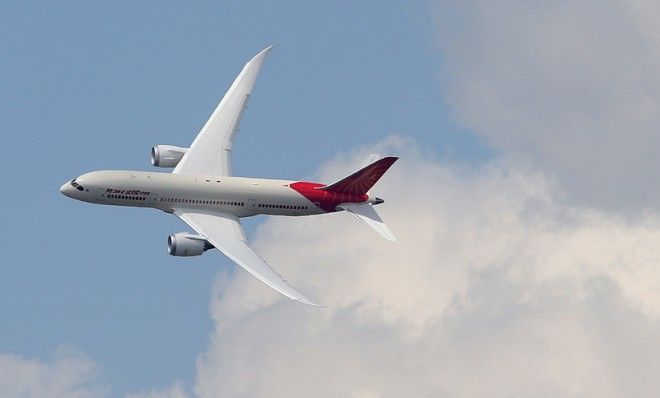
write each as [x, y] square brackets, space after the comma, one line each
[571, 86]
[70, 374]
[495, 288]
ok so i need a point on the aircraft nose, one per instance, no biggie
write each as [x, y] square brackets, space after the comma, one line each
[65, 189]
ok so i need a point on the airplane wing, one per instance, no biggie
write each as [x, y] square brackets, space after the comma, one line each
[224, 231]
[210, 153]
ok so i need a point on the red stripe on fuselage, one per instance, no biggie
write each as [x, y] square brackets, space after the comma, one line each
[326, 200]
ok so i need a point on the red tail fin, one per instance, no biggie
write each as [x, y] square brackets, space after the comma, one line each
[360, 182]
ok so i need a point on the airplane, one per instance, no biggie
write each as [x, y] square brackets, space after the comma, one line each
[202, 192]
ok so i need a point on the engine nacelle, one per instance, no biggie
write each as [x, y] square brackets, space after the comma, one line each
[167, 155]
[184, 244]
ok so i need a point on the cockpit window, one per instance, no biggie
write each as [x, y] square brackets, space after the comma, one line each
[76, 185]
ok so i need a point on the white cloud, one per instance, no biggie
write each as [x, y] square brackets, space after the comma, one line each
[571, 85]
[176, 390]
[496, 288]
[70, 374]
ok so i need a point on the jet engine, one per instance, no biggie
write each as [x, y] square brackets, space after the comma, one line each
[166, 155]
[184, 244]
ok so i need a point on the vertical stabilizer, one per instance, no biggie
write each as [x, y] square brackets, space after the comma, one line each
[360, 182]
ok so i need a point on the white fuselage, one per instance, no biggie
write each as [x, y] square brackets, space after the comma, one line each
[242, 197]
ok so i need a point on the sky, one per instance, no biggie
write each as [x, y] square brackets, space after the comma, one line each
[525, 200]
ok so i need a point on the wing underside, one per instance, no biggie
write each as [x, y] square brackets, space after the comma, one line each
[225, 232]
[210, 152]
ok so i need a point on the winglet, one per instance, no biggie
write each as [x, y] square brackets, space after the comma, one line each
[305, 300]
[262, 54]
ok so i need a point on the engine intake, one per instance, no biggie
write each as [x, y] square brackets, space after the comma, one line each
[183, 244]
[167, 155]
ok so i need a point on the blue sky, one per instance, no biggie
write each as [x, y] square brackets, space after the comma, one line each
[87, 86]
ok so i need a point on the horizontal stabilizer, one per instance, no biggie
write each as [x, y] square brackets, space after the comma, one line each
[366, 213]
[360, 182]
